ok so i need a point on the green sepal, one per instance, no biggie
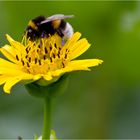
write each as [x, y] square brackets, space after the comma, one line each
[52, 90]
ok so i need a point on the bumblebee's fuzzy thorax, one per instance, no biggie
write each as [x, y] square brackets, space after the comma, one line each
[56, 24]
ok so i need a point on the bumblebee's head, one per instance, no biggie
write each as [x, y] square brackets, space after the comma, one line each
[34, 23]
[31, 33]
[33, 27]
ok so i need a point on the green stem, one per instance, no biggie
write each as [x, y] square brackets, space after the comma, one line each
[47, 119]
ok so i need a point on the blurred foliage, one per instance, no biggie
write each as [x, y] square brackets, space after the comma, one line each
[103, 103]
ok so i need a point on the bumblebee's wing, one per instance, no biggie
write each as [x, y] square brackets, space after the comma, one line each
[56, 17]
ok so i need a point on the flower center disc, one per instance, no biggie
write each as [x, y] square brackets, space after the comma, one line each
[43, 55]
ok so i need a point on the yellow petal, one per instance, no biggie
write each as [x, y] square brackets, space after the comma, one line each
[85, 63]
[3, 79]
[9, 69]
[6, 64]
[13, 42]
[47, 77]
[68, 69]
[72, 41]
[78, 65]
[9, 53]
[12, 80]
[26, 76]
[9, 83]
[17, 45]
[36, 77]
[10, 72]
[78, 48]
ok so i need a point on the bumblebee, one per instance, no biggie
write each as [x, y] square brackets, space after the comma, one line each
[41, 27]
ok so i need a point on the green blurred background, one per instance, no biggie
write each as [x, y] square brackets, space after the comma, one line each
[103, 103]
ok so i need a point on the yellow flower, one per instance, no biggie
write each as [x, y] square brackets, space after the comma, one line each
[45, 59]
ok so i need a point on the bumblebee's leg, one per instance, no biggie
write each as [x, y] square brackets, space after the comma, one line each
[59, 32]
[63, 41]
[43, 34]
